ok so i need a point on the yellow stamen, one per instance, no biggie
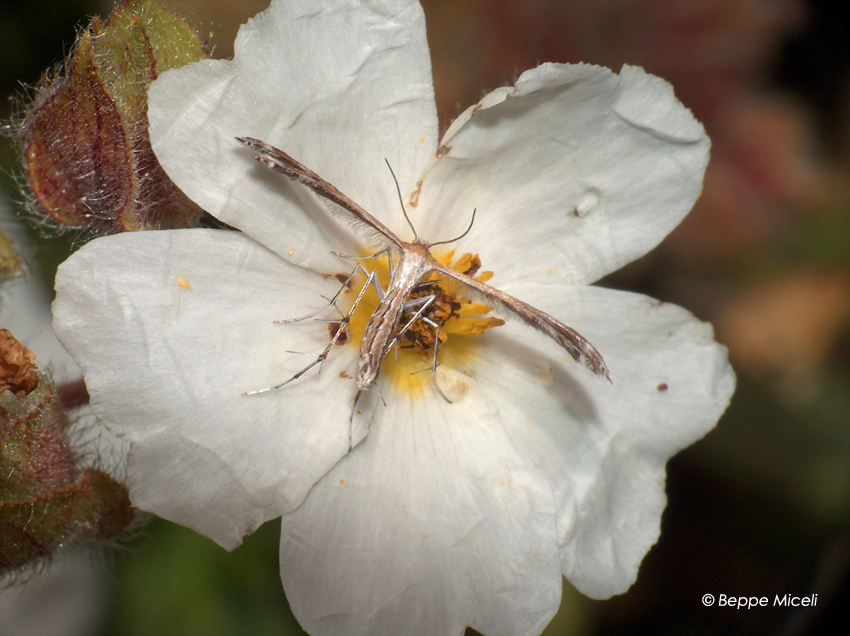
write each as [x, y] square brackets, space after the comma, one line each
[457, 316]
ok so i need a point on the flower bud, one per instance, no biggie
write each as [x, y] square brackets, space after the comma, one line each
[48, 498]
[88, 157]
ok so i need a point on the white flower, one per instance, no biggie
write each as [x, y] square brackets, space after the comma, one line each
[442, 515]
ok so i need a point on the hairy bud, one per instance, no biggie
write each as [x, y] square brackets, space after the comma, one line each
[49, 500]
[88, 158]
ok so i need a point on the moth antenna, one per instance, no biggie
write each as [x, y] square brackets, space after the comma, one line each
[401, 201]
[457, 238]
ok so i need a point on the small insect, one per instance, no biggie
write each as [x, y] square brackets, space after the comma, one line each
[413, 262]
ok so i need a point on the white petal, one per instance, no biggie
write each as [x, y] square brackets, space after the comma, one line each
[171, 328]
[573, 173]
[604, 446]
[430, 525]
[340, 88]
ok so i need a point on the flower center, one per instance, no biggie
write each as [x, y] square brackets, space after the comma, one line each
[408, 366]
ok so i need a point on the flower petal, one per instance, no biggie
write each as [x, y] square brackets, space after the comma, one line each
[574, 173]
[442, 499]
[604, 446]
[430, 525]
[339, 88]
[171, 327]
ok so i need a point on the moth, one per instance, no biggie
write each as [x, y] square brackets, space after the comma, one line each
[413, 263]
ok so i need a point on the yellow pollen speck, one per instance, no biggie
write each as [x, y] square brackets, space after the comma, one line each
[183, 283]
[549, 271]
[290, 252]
[341, 481]
[421, 139]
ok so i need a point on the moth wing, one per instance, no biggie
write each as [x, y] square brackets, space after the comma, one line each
[344, 207]
[506, 305]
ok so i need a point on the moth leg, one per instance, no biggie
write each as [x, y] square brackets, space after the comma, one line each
[372, 279]
[434, 359]
[351, 417]
[419, 285]
[354, 410]
[332, 301]
[434, 365]
[387, 251]
[423, 303]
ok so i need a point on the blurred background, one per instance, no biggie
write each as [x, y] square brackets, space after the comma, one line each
[761, 506]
